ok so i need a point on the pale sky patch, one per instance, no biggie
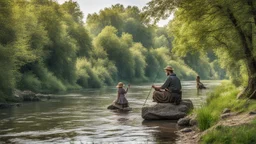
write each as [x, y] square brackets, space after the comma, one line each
[92, 6]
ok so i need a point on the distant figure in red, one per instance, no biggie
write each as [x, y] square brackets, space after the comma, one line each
[199, 85]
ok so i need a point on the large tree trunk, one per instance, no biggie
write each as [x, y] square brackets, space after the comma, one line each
[250, 90]
[247, 46]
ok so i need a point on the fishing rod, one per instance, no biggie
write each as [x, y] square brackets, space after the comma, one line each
[151, 88]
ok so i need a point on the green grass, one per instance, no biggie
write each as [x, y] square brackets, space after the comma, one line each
[244, 134]
[205, 118]
[224, 96]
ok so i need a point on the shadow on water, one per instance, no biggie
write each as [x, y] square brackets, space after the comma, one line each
[164, 130]
[82, 116]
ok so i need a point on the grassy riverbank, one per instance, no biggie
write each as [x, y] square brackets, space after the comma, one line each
[242, 134]
[209, 115]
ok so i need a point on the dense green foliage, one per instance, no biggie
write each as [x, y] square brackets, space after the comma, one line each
[244, 134]
[224, 96]
[225, 27]
[46, 47]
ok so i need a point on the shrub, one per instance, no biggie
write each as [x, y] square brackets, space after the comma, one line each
[48, 80]
[87, 76]
[29, 82]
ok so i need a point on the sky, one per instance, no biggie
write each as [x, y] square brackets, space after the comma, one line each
[92, 6]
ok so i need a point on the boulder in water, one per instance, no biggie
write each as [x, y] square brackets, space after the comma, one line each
[26, 95]
[162, 111]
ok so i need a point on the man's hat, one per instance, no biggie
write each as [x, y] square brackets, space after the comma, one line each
[169, 68]
[119, 85]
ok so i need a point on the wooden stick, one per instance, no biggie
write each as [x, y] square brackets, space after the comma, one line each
[151, 88]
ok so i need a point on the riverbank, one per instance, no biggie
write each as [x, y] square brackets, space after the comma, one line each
[81, 116]
[23, 96]
[223, 118]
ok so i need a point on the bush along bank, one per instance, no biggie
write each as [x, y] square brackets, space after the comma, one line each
[222, 119]
[24, 96]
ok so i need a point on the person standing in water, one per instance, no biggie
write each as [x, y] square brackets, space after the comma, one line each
[121, 92]
[199, 85]
[170, 91]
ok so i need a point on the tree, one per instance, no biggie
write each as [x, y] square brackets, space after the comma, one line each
[222, 25]
[117, 51]
[106, 17]
[73, 9]
[126, 20]
[73, 17]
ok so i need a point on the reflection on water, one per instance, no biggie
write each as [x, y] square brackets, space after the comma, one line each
[82, 117]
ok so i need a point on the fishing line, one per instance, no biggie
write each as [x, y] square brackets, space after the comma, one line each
[151, 88]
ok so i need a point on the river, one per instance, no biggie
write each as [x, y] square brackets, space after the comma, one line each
[82, 117]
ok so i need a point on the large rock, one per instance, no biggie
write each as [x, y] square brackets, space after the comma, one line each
[114, 106]
[184, 121]
[168, 111]
[26, 95]
[187, 121]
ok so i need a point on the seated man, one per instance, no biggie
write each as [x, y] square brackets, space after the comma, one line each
[170, 91]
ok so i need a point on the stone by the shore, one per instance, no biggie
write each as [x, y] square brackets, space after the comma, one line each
[226, 110]
[161, 111]
[193, 122]
[252, 112]
[226, 115]
[186, 130]
[184, 121]
[187, 121]
[26, 95]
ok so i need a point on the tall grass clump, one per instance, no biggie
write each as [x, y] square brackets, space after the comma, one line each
[205, 118]
[224, 96]
[243, 134]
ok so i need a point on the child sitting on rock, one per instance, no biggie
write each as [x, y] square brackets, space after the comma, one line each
[121, 99]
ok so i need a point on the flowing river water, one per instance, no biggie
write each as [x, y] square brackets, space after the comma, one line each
[82, 117]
